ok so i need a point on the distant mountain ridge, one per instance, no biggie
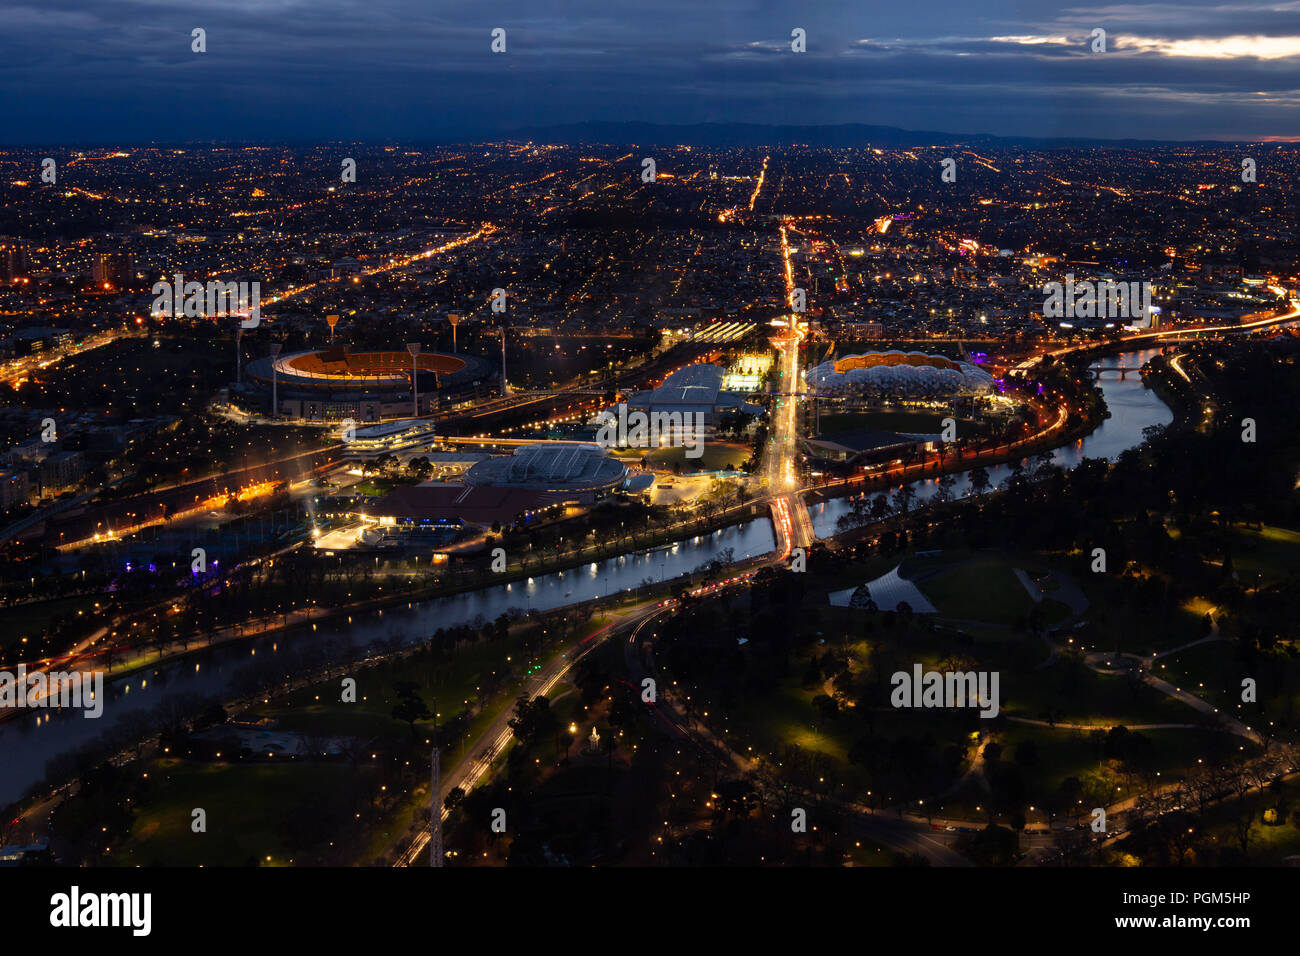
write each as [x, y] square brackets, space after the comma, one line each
[845, 135]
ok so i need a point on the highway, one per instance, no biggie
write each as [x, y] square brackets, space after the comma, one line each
[779, 473]
[492, 742]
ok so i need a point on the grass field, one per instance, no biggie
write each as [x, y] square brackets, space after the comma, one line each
[1075, 694]
[1273, 553]
[247, 802]
[982, 589]
[714, 456]
[1063, 753]
[1214, 672]
[30, 620]
[245, 806]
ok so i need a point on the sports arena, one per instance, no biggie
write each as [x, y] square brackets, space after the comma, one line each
[899, 374]
[336, 383]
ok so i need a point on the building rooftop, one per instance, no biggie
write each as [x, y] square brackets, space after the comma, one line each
[555, 465]
[391, 428]
[444, 502]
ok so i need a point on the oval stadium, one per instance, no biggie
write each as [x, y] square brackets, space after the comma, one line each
[896, 373]
[337, 382]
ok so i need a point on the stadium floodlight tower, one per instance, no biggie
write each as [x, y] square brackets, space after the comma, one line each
[454, 319]
[414, 349]
[239, 365]
[275, 403]
[331, 321]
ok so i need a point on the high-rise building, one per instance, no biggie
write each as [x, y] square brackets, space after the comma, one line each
[114, 269]
[14, 260]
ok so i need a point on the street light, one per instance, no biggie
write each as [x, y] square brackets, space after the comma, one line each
[414, 349]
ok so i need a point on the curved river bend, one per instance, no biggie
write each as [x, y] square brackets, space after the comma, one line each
[27, 743]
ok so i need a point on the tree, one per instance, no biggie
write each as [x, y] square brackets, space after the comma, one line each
[532, 719]
[979, 480]
[455, 796]
[410, 706]
[826, 706]
[861, 598]
[945, 491]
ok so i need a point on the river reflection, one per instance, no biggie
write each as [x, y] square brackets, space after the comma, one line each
[27, 743]
[1132, 408]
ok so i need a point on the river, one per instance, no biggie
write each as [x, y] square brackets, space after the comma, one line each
[27, 743]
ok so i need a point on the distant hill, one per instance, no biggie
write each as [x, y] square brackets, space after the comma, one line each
[847, 135]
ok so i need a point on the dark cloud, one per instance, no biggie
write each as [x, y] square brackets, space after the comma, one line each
[88, 71]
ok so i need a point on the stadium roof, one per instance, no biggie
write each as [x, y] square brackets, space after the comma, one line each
[695, 387]
[900, 373]
[557, 465]
[385, 429]
[441, 501]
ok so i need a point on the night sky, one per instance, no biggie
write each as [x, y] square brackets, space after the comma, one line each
[99, 71]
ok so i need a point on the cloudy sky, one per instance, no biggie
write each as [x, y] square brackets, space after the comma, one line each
[95, 71]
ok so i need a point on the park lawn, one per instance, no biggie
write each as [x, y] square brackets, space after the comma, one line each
[317, 710]
[245, 804]
[914, 565]
[341, 720]
[714, 456]
[455, 688]
[868, 853]
[1063, 753]
[1214, 672]
[1075, 694]
[1134, 630]
[1273, 553]
[982, 589]
[30, 620]
[787, 718]
[1269, 844]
